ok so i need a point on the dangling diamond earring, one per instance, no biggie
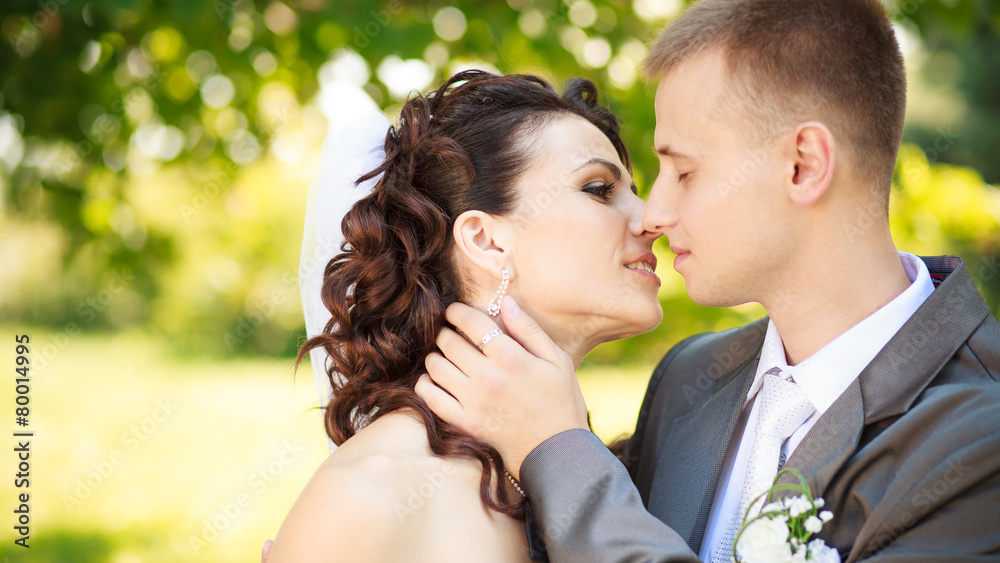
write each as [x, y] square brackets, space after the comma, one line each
[494, 308]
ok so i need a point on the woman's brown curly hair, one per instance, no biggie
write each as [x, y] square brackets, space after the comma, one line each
[462, 147]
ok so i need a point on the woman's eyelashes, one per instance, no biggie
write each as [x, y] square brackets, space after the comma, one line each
[600, 189]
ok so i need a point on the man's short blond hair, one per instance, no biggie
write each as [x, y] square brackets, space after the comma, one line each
[789, 61]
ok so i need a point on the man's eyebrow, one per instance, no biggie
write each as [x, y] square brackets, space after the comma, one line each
[666, 150]
[616, 172]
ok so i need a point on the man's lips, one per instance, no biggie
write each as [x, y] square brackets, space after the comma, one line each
[681, 253]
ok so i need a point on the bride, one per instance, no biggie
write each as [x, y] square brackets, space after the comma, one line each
[490, 185]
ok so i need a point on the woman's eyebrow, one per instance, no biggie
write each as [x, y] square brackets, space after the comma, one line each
[615, 171]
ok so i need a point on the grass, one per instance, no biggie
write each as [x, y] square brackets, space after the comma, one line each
[138, 456]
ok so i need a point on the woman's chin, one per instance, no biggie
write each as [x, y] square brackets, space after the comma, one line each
[646, 314]
[652, 320]
[649, 325]
[639, 324]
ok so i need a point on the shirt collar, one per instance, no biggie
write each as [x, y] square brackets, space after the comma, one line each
[825, 375]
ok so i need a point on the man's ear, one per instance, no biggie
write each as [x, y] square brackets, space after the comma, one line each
[813, 151]
[482, 240]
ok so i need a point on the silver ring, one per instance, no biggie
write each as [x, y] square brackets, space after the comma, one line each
[489, 336]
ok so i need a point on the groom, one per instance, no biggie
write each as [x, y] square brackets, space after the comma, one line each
[777, 124]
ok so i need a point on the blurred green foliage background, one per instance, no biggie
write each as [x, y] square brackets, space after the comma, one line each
[156, 154]
[154, 162]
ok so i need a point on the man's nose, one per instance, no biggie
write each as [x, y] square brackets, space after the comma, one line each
[661, 208]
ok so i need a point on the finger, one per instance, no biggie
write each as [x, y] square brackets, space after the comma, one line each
[468, 358]
[446, 376]
[525, 331]
[265, 551]
[472, 323]
[476, 325]
[440, 402]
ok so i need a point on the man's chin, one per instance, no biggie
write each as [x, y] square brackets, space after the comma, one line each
[712, 297]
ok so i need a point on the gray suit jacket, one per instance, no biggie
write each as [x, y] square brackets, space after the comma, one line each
[908, 458]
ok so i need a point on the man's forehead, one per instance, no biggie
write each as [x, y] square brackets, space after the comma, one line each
[687, 104]
[676, 132]
[695, 83]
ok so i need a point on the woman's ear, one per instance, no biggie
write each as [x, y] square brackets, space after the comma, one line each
[813, 152]
[482, 240]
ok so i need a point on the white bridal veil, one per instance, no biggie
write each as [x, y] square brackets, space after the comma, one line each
[349, 151]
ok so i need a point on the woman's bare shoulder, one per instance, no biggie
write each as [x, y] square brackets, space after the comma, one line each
[383, 491]
[342, 514]
[377, 486]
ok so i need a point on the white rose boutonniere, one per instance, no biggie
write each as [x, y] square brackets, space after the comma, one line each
[781, 532]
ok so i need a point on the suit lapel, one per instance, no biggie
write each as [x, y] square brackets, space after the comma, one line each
[691, 457]
[896, 376]
[917, 353]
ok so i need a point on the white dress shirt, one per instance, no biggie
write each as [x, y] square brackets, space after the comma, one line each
[823, 377]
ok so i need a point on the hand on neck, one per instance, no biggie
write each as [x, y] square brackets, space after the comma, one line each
[567, 338]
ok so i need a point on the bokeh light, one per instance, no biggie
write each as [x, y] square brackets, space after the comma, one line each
[449, 23]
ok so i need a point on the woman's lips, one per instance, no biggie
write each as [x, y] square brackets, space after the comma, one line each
[646, 274]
